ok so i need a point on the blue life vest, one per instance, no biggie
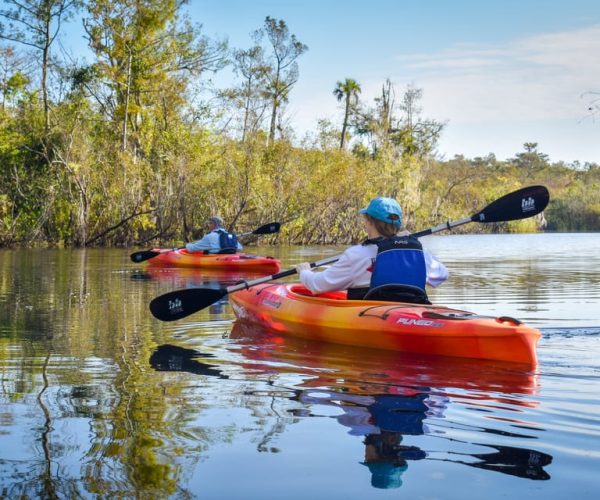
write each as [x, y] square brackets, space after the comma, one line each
[400, 261]
[227, 241]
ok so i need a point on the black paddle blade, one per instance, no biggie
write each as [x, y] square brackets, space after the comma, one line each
[144, 255]
[520, 204]
[181, 303]
[271, 228]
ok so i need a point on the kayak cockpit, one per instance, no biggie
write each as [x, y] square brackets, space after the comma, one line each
[305, 292]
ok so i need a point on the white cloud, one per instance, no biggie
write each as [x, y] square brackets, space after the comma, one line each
[537, 78]
[493, 97]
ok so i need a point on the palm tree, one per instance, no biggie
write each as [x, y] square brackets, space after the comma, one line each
[348, 90]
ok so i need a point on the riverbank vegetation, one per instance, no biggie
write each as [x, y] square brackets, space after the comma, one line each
[134, 147]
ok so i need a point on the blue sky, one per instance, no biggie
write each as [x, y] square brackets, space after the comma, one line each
[501, 73]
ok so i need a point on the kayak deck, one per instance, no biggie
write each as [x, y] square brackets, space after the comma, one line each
[293, 310]
[242, 261]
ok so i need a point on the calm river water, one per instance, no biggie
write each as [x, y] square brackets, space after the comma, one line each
[100, 400]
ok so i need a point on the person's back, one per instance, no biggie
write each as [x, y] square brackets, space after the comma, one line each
[399, 256]
[363, 268]
[217, 240]
[228, 241]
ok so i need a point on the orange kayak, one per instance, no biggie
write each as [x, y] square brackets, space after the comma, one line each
[235, 261]
[291, 309]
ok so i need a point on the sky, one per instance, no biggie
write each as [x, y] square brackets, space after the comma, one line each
[499, 73]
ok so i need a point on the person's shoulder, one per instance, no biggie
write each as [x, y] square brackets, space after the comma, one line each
[356, 251]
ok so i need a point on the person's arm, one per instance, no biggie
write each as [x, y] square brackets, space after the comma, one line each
[339, 276]
[437, 272]
[208, 242]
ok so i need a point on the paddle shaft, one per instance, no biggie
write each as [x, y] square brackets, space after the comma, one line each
[442, 227]
[247, 284]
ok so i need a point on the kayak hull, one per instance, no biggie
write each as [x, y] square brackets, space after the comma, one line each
[290, 309]
[198, 260]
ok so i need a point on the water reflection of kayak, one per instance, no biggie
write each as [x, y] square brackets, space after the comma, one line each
[385, 396]
[291, 309]
[369, 370]
[187, 277]
[236, 261]
[382, 397]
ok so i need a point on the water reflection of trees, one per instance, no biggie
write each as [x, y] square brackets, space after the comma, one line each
[76, 390]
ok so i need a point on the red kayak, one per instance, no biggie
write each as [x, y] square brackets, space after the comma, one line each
[199, 260]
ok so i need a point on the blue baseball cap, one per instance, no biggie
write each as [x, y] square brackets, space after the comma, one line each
[384, 209]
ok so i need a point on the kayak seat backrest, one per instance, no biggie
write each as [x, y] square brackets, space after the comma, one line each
[394, 292]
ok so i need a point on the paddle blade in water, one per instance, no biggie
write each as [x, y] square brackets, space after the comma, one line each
[144, 255]
[181, 303]
[520, 204]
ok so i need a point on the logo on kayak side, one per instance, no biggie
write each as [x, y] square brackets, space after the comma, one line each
[527, 204]
[271, 303]
[418, 322]
[175, 306]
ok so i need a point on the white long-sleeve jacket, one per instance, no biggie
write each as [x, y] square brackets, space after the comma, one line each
[353, 270]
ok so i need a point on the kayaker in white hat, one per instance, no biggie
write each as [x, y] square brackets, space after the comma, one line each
[217, 240]
[389, 256]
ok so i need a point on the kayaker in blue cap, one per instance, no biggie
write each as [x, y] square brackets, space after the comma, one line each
[217, 240]
[389, 258]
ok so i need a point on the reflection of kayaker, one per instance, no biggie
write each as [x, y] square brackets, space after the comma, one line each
[383, 418]
[386, 395]
[384, 460]
[369, 414]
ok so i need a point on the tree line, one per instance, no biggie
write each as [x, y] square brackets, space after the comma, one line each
[136, 148]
